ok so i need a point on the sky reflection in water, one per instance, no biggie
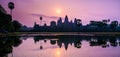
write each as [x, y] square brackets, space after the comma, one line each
[60, 46]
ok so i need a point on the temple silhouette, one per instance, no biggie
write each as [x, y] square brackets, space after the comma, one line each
[7, 24]
[58, 26]
[69, 26]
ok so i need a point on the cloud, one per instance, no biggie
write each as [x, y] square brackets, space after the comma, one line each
[45, 16]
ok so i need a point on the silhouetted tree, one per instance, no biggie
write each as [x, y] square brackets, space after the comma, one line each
[106, 21]
[113, 25]
[16, 25]
[77, 44]
[41, 20]
[11, 6]
[79, 22]
[5, 21]
[7, 44]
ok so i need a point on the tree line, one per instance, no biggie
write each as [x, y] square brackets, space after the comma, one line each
[7, 24]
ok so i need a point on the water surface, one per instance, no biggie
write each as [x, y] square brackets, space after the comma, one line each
[60, 46]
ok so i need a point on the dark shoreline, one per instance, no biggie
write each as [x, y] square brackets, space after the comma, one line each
[60, 34]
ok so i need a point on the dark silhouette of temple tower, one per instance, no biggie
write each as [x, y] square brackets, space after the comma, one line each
[59, 22]
[66, 22]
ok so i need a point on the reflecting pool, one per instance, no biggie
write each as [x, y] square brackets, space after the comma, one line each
[60, 46]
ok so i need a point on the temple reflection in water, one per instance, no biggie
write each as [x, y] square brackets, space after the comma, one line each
[7, 44]
[102, 41]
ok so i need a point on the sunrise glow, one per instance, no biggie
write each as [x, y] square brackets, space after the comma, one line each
[58, 11]
[57, 52]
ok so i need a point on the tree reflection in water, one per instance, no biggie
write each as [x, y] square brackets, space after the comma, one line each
[7, 44]
[102, 41]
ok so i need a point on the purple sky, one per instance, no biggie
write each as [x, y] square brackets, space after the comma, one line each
[28, 11]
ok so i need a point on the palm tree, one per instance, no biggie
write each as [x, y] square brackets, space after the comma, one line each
[41, 20]
[78, 23]
[11, 6]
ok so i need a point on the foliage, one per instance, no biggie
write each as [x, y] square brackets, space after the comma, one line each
[16, 25]
[6, 22]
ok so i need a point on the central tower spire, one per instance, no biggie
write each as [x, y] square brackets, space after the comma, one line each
[66, 19]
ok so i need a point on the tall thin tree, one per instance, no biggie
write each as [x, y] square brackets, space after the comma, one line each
[11, 7]
[41, 20]
[78, 23]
